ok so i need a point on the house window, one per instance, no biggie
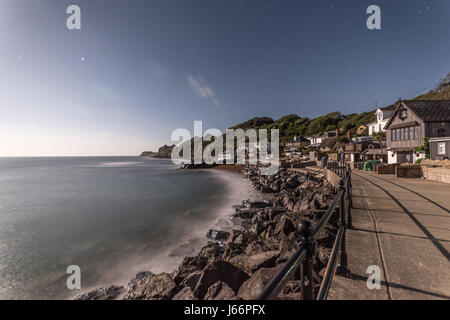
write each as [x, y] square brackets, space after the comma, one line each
[406, 134]
[397, 134]
[441, 132]
[411, 133]
[402, 134]
[403, 114]
[393, 135]
[416, 133]
[441, 148]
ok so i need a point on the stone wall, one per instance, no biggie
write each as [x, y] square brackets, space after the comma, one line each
[437, 174]
[408, 172]
[303, 164]
[386, 168]
[332, 178]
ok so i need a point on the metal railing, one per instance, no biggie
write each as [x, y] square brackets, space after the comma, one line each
[300, 265]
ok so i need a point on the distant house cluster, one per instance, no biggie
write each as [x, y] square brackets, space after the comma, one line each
[395, 137]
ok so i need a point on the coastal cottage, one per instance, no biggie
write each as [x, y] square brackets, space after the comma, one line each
[328, 144]
[411, 122]
[352, 151]
[382, 116]
[292, 148]
[440, 148]
[297, 142]
[365, 150]
[317, 139]
[375, 151]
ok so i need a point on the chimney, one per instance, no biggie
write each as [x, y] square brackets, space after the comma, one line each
[337, 132]
[349, 135]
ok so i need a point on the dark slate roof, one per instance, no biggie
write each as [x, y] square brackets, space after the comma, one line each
[404, 124]
[328, 142]
[430, 110]
[389, 108]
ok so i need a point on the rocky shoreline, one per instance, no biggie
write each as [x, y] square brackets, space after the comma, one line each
[238, 264]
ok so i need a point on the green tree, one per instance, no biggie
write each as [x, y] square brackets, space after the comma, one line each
[379, 136]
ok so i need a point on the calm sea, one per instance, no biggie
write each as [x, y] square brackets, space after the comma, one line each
[111, 216]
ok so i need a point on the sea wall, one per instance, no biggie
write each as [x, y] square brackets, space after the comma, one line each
[385, 168]
[441, 174]
[332, 178]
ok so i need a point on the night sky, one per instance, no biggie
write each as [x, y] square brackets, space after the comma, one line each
[139, 69]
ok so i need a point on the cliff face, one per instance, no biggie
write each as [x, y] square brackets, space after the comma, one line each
[163, 153]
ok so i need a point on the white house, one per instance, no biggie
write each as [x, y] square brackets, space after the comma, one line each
[383, 115]
[317, 139]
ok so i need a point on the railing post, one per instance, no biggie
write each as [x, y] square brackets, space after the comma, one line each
[342, 268]
[306, 230]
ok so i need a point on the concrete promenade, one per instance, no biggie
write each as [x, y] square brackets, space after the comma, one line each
[402, 226]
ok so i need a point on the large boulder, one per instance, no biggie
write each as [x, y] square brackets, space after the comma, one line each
[103, 293]
[268, 233]
[251, 263]
[323, 254]
[220, 291]
[321, 201]
[259, 226]
[287, 249]
[188, 266]
[213, 250]
[149, 286]
[326, 237]
[217, 235]
[259, 204]
[292, 291]
[261, 245]
[191, 280]
[218, 270]
[273, 212]
[185, 294]
[302, 205]
[245, 238]
[251, 288]
[267, 189]
[234, 235]
[260, 215]
[284, 226]
[244, 213]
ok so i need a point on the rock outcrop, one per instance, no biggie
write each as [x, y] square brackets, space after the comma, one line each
[149, 286]
[165, 152]
[103, 293]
